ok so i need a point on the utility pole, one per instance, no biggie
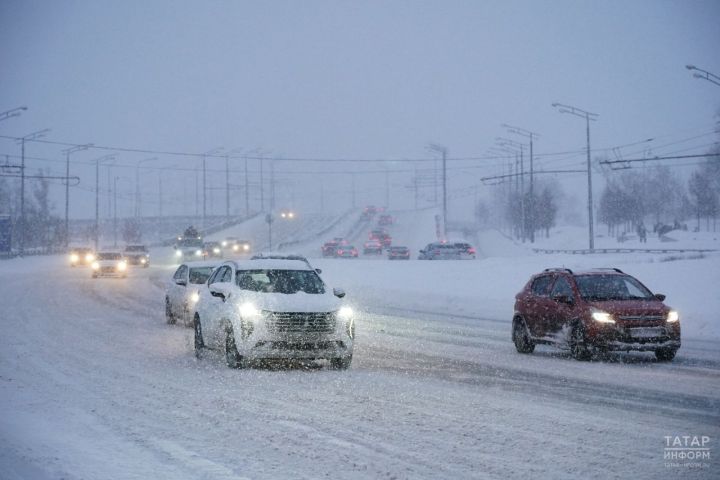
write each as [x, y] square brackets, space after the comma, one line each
[262, 185]
[67, 152]
[247, 190]
[204, 182]
[587, 116]
[443, 150]
[530, 136]
[97, 197]
[227, 188]
[506, 142]
[272, 184]
[138, 194]
[23, 223]
[115, 212]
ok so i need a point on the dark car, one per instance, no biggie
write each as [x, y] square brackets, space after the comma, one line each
[465, 249]
[399, 253]
[372, 247]
[137, 255]
[212, 250]
[369, 212]
[385, 220]
[346, 251]
[594, 311]
[81, 256]
[329, 249]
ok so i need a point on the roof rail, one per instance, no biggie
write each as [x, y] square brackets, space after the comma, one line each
[614, 269]
[559, 270]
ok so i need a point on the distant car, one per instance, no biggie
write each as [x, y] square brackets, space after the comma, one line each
[329, 249]
[189, 247]
[182, 291]
[109, 264]
[81, 256]
[377, 234]
[287, 214]
[369, 212]
[399, 253]
[269, 310]
[385, 220]
[466, 250]
[372, 247]
[236, 245]
[137, 255]
[347, 251]
[212, 250]
[441, 251]
[593, 311]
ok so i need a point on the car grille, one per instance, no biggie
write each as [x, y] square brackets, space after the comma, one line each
[300, 322]
[107, 269]
[642, 319]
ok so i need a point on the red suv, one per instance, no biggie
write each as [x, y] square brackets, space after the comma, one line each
[596, 310]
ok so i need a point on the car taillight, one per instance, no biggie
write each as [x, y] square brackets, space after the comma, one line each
[436, 252]
[340, 252]
[471, 250]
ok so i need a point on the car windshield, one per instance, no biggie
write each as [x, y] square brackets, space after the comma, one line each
[109, 256]
[611, 287]
[135, 248]
[199, 275]
[280, 281]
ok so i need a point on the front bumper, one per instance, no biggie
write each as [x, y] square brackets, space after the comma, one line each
[636, 338]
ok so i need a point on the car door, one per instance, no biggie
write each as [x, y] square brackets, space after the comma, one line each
[209, 306]
[536, 303]
[176, 292]
[562, 307]
[216, 304]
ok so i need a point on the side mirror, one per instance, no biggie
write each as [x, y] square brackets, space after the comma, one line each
[563, 299]
[219, 292]
[339, 292]
[660, 296]
[181, 281]
[422, 251]
[318, 271]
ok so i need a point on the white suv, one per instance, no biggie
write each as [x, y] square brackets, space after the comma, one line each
[273, 310]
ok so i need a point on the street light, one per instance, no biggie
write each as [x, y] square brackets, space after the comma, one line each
[15, 112]
[30, 136]
[97, 195]
[712, 78]
[67, 153]
[588, 116]
[529, 135]
[443, 150]
[512, 144]
[204, 180]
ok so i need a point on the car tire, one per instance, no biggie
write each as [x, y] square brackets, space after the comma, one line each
[521, 337]
[341, 363]
[169, 317]
[578, 344]
[94, 275]
[665, 354]
[232, 356]
[199, 343]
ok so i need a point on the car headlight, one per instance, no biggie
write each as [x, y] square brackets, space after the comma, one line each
[95, 266]
[198, 253]
[74, 258]
[143, 260]
[224, 243]
[194, 297]
[672, 316]
[246, 247]
[216, 250]
[236, 248]
[248, 310]
[89, 257]
[178, 253]
[121, 265]
[602, 317]
[345, 312]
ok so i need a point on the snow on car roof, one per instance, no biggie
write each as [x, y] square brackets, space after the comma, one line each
[201, 264]
[272, 264]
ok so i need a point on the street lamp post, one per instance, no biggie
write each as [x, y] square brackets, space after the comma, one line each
[529, 135]
[67, 152]
[204, 181]
[97, 196]
[587, 116]
[443, 150]
[115, 179]
[506, 142]
[15, 112]
[30, 136]
[138, 194]
[704, 74]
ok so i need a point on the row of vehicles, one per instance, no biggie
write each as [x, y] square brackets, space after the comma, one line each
[190, 246]
[267, 308]
[110, 261]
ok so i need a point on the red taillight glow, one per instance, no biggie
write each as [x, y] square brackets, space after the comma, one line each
[340, 252]
[471, 250]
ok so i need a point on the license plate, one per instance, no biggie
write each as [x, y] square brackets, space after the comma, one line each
[647, 332]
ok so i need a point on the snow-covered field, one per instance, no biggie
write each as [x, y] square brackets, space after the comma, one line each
[94, 384]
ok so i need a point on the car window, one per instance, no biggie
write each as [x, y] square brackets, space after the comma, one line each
[541, 285]
[280, 281]
[199, 275]
[562, 287]
[225, 275]
[216, 275]
[180, 272]
[611, 287]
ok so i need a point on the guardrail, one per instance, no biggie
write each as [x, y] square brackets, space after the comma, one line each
[587, 251]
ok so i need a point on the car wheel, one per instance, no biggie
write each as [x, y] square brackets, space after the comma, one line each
[94, 275]
[578, 344]
[232, 356]
[342, 363]
[199, 343]
[521, 338]
[665, 354]
[169, 317]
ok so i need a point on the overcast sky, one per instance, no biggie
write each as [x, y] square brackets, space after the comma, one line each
[341, 79]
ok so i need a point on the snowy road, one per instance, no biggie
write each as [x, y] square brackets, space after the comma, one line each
[94, 384]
